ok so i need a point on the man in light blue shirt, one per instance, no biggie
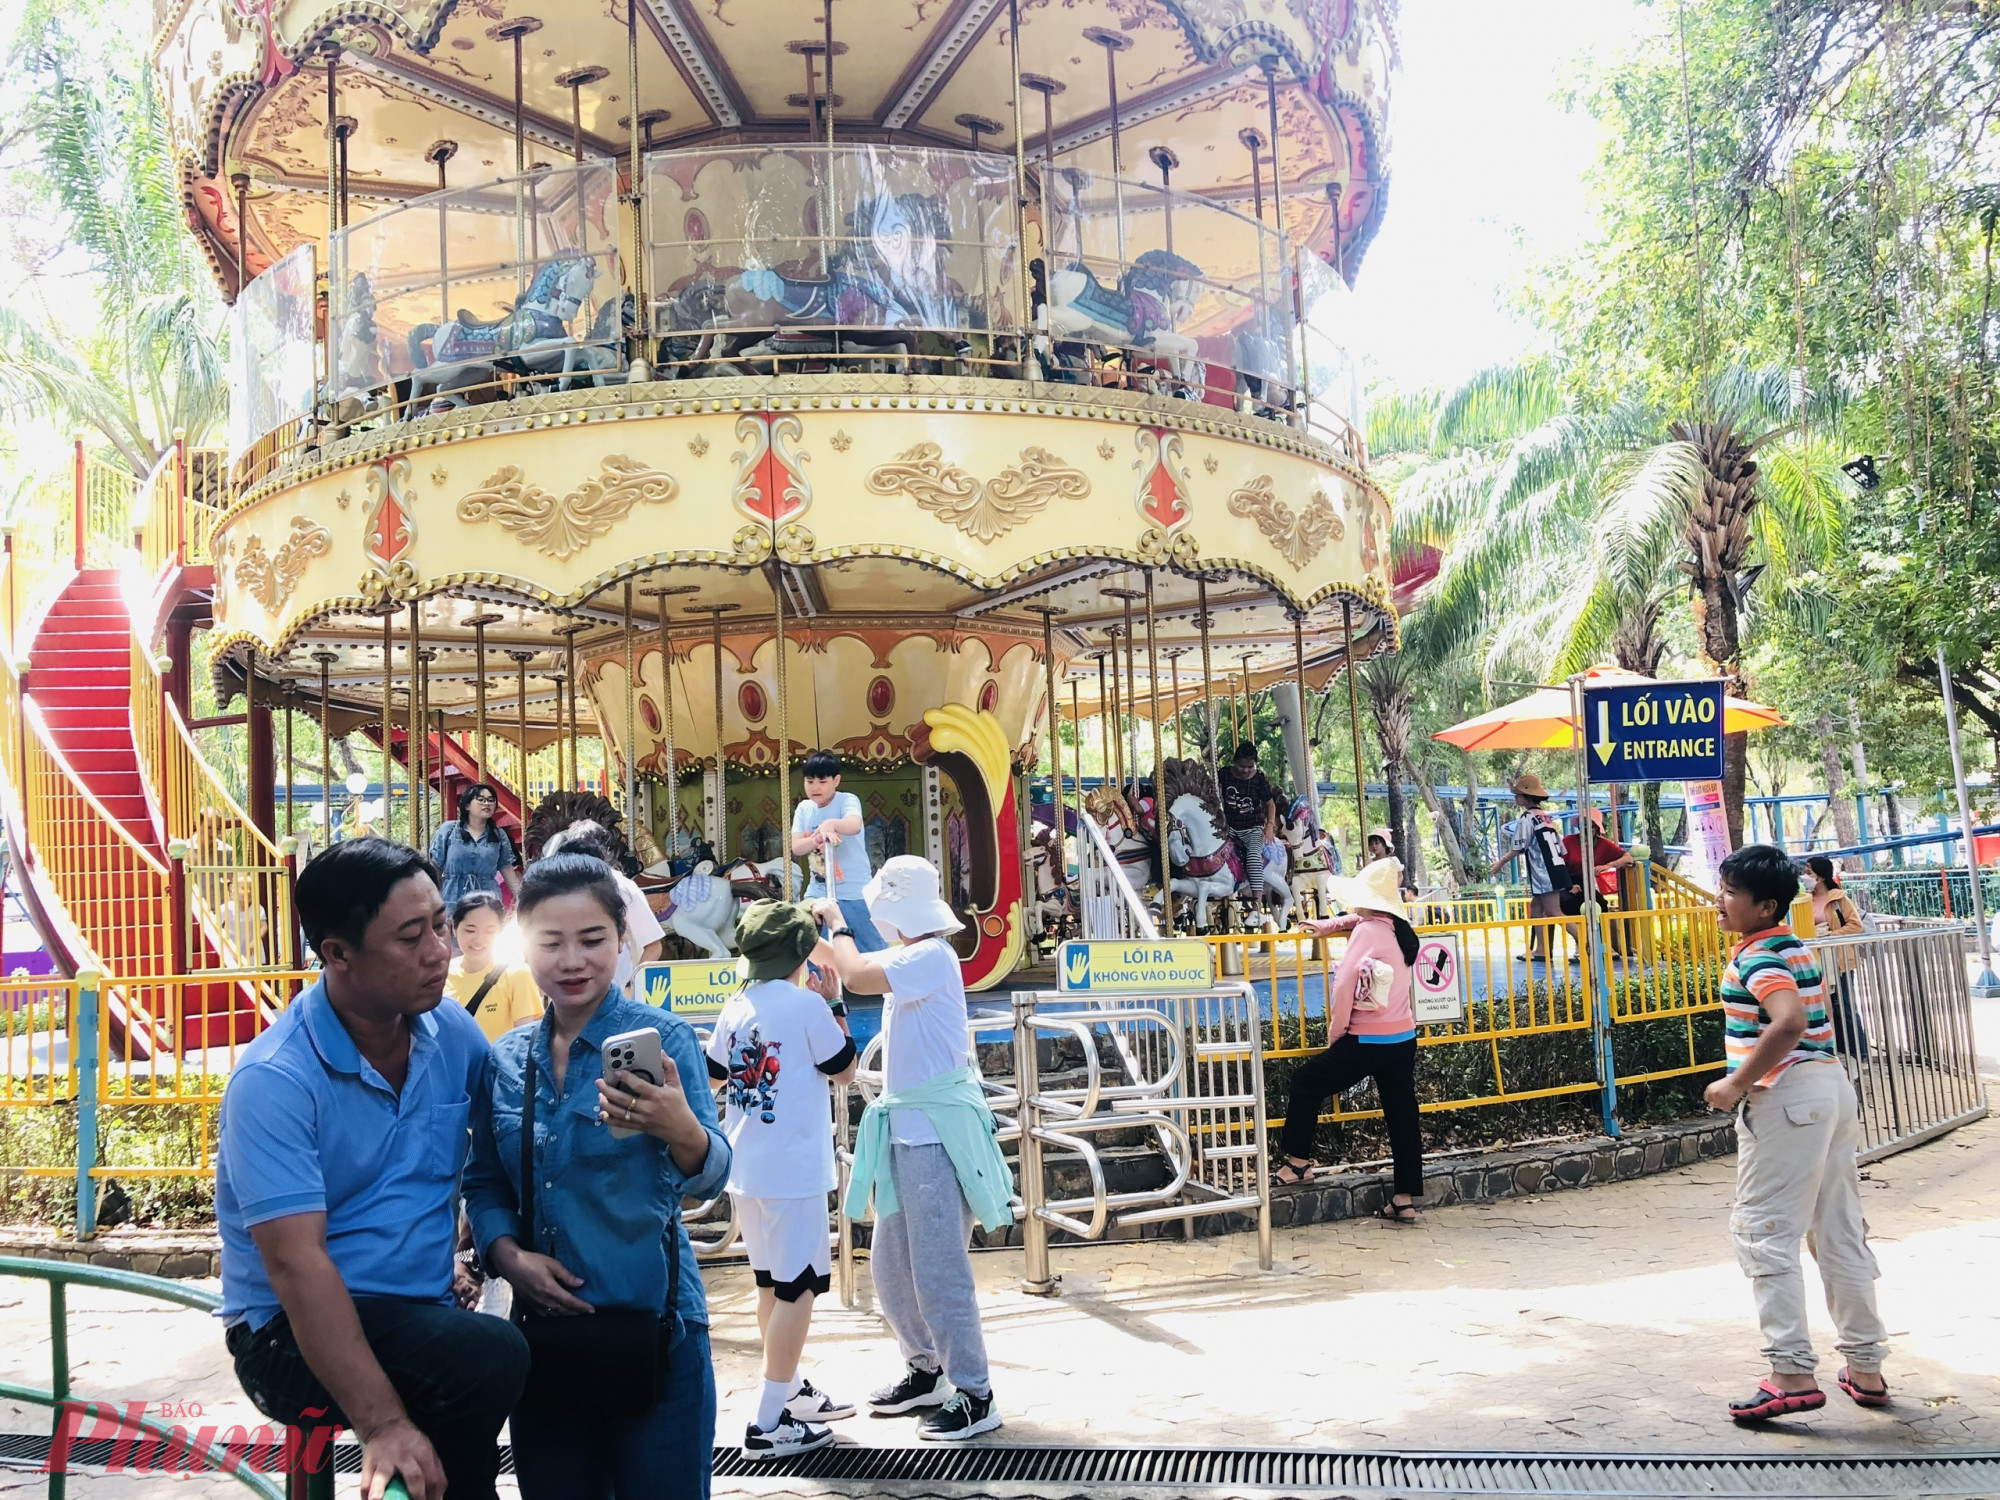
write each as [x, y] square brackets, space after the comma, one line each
[828, 830]
[343, 1131]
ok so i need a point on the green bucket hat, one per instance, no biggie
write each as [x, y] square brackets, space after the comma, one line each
[775, 938]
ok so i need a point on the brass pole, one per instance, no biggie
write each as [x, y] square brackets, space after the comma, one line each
[240, 182]
[1130, 726]
[636, 183]
[1048, 613]
[291, 763]
[1103, 734]
[667, 718]
[1207, 681]
[417, 753]
[569, 688]
[1354, 717]
[784, 707]
[1159, 781]
[1235, 727]
[1174, 664]
[631, 720]
[1310, 792]
[721, 765]
[332, 158]
[326, 659]
[388, 723]
[1020, 221]
[521, 660]
[423, 722]
[1249, 701]
[1114, 744]
[1076, 733]
[480, 752]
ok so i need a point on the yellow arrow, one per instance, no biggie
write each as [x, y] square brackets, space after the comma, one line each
[1606, 747]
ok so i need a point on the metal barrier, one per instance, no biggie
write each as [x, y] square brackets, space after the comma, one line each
[172, 1453]
[1194, 1076]
[1902, 1016]
[1107, 905]
[1938, 892]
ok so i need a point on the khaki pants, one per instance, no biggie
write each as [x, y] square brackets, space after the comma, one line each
[1796, 1179]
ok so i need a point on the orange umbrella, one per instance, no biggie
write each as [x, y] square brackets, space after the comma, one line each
[1541, 721]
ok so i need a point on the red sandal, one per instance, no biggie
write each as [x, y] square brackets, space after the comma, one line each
[1771, 1402]
[1861, 1395]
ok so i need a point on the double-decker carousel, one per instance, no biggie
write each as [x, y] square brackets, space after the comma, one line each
[895, 377]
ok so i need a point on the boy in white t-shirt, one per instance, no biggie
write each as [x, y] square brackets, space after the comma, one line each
[827, 829]
[777, 1050]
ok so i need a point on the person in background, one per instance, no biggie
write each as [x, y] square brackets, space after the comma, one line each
[1796, 1135]
[1382, 845]
[644, 936]
[924, 1157]
[475, 853]
[777, 1050]
[596, 1229]
[1371, 1033]
[1607, 859]
[498, 996]
[1249, 808]
[343, 1131]
[1835, 915]
[1535, 839]
[827, 829]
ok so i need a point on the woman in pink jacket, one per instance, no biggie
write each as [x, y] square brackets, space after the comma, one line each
[1371, 1033]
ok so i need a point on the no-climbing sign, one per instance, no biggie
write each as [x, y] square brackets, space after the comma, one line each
[1654, 731]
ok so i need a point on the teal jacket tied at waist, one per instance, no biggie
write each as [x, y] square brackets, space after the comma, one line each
[958, 1110]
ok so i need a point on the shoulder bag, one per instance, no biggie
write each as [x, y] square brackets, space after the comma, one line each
[486, 988]
[612, 1362]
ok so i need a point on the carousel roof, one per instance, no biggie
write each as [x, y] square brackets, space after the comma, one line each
[246, 88]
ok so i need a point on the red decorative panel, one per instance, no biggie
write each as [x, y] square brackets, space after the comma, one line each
[988, 696]
[881, 698]
[750, 699]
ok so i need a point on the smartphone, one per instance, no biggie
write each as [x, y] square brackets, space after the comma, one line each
[637, 1053]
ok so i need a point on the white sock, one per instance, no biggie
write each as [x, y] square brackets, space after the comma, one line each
[798, 1384]
[771, 1408]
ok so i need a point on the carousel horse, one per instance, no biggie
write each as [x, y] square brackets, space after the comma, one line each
[1143, 312]
[1272, 881]
[360, 378]
[1047, 908]
[765, 878]
[1206, 865]
[696, 340]
[532, 338]
[596, 363]
[1129, 845]
[702, 909]
[1310, 853]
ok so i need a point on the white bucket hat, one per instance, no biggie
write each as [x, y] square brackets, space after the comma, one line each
[1376, 888]
[903, 897]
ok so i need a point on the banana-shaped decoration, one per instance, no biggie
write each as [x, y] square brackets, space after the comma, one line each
[956, 728]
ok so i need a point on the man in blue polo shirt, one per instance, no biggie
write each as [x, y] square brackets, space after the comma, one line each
[343, 1131]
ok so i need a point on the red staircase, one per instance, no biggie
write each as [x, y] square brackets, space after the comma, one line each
[453, 768]
[80, 677]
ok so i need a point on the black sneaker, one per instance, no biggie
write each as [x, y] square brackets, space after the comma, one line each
[963, 1416]
[917, 1388]
[812, 1404]
[788, 1439]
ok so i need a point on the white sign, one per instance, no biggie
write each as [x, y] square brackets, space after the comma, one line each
[1437, 980]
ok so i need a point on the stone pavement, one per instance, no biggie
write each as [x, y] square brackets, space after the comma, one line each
[1609, 1319]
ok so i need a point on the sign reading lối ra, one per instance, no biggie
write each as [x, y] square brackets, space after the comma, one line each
[1138, 966]
[1654, 731]
[692, 988]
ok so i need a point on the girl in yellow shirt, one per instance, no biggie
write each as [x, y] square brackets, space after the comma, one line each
[500, 998]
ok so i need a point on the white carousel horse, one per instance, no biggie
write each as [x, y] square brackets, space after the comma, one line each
[1145, 311]
[1205, 863]
[1046, 906]
[1129, 845]
[702, 908]
[1311, 855]
[1272, 881]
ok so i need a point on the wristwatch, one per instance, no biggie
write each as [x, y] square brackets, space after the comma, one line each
[840, 932]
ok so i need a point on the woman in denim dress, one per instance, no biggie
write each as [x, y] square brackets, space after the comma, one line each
[475, 853]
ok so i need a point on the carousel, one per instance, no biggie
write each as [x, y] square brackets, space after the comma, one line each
[675, 390]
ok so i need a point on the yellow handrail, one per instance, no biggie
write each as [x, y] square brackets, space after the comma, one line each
[160, 493]
[1670, 889]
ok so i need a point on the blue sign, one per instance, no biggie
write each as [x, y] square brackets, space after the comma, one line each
[1654, 731]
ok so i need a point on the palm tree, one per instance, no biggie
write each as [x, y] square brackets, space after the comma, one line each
[150, 364]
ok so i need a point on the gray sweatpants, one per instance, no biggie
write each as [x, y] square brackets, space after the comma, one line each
[923, 1270]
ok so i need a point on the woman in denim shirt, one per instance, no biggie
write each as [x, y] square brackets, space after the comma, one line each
[608, 1209]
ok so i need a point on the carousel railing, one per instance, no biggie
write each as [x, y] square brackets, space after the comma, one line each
[1107, 904]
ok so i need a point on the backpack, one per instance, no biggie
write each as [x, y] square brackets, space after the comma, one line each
[1546, 840]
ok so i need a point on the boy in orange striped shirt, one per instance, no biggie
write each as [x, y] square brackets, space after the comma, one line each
[1796, 1135]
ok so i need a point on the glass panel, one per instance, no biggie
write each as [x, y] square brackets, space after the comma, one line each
[861, 237]
[1332, 376]
[273, 356]
[1136, 266]
[517, 274]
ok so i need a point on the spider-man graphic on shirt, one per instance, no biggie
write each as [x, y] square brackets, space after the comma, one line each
[753, 1081]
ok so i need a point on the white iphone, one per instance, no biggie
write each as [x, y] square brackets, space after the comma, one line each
[637, 1053]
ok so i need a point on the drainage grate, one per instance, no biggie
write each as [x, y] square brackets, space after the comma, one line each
[1210, 1472]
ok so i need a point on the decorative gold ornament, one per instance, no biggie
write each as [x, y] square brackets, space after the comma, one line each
[560, 526]
[438, 476]
[1297, 536]
[1169, 548]
[344, 499]
[751, 544]
[270, 580]
[379, 585]
[1211, 463]
[1105, 451]
[795, 545]
[840, 442]
[698, 444]
[982, 511]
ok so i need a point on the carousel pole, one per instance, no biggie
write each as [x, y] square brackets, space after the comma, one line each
[636, 196]
[1048, 88]
[715, 612]
[344, 129]
[1289, 273]
[784, 702]
[1354, 717]
[326, 659]
[1310, 793]
[1103, 734]
[1048, 612]
[332, 151]
[479, 622]
[631, 719]
[239, 182]
[1207, 681]
[1113, 43]
[1114, 744]
[1026, 289]
[1249, 700]
[663, 594]
[431, 763]
[1076, 734]
[1174, 689]
[288, 698]
[1166, 161]
[388, 723]
[1129, 722]
[1159, 781]
[569, 689]
[1235, 725]
[521, 660]
[417, 756]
